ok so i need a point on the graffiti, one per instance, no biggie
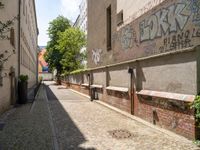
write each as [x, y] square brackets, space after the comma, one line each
[115, 37]
[178, 41]
[195, 33]
[128, 37]
[150, 48]
[195, 9]
[96, 55]
[164, 21]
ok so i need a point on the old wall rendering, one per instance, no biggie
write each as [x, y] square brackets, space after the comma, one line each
[145, 63]
[18, 48]
[28, 42]
[9, 55]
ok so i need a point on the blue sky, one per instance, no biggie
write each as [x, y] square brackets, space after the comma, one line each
[48, 10]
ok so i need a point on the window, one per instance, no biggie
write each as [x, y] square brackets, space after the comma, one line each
[108, 30]
[120, 18]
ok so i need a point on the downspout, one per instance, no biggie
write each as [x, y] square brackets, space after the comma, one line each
[130, 71]
[19, 36]
[19, 52]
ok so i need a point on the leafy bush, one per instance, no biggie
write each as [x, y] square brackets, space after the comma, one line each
[196, 106]
[197, 142]
[40, 78]
[78, 71]
[23, 78]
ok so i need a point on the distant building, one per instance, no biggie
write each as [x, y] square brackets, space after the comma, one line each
[81, 22]
[42, 64]
[19, 50]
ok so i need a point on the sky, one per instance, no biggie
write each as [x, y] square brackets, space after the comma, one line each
[47, 10]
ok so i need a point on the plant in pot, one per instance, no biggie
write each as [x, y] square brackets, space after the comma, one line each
[23, 88]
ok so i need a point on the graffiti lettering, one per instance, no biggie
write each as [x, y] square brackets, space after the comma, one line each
[96, 55]
[128, 38]
[196, 33]
[178, 41]
[150, 48]
[164, 21]
[195, 9]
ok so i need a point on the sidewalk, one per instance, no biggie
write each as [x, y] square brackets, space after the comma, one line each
[27, 127]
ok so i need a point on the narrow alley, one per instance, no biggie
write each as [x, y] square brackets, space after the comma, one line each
[69, 121]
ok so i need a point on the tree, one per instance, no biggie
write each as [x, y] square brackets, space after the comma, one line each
[70, 43]
[53, 55]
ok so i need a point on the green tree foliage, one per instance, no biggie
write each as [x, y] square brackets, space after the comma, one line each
[63, 49]
[53, 55]
[70, 43]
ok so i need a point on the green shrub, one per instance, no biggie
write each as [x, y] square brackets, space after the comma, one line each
[40, 78]
[78, 71]
[23, 78]
[196, 106]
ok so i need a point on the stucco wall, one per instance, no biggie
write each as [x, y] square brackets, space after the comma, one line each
[7, 13]
[119, 76]
[133, 9]
[99, 77]
[176, 74]
[85, 78]
[159, 30]
[28, 42]
[75, 79]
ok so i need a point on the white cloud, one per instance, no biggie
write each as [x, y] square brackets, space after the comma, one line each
[70, 9]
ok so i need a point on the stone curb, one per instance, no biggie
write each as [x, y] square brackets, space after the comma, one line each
[55, 141]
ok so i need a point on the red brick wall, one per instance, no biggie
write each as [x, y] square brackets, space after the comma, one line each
[170, 114]
[77, 87]
[117, 99]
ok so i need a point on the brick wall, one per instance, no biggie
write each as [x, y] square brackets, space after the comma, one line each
[172, 115]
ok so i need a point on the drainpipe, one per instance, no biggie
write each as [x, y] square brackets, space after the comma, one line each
[19, 36]
[130, 71]
[90, 92]
[19, 41]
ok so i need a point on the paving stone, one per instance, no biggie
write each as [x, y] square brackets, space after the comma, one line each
[27, 130]
[79, 125]
[88, 125]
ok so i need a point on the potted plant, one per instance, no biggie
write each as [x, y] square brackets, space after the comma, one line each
[23, 88]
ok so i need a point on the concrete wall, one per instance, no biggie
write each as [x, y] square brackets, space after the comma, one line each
[7, 13]
[75, 79]
[174, 73]
[119, 76]
[99, 77]
[85, 78]
[46, 76]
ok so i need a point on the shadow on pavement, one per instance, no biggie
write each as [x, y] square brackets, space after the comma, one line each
[68, 135]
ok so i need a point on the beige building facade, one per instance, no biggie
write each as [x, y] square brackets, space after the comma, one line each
[18, 48]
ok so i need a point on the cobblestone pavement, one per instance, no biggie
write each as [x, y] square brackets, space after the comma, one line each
[83, 125]
[27, 127]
